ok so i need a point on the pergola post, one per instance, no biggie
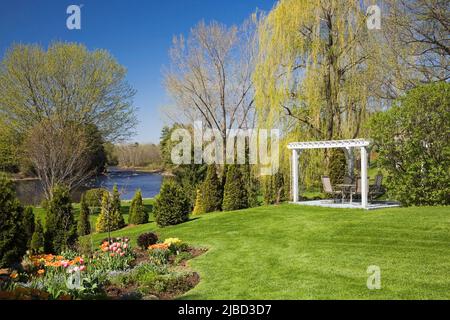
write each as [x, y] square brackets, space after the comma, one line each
[294, 175]
[364, 186]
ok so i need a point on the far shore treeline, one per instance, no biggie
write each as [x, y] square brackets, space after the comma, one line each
[304, 68]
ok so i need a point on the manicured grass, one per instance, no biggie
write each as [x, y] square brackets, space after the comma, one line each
[296, 252]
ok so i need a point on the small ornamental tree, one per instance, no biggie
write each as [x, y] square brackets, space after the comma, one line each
[84, 225]
[61, 228]
[172, 205]
[235, 193]
[198, 207]
[137, 214]
[109, 218]
[211, 191]
[37, 241]
[13, 240]
[413, 142]
[28, 224]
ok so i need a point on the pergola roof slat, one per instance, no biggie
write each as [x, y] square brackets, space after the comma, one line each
[350, 143]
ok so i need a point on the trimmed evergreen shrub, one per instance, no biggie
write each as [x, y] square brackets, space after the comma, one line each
[84, 225]
[211, 191]
[13, 241]
[28, 224]
[172, 206]
[274, 189]
[137, 214]
[37, 241]
[251, 185]
[198, 207]
[146, 239]
[61, 228]
[235, 192]
[110, 218]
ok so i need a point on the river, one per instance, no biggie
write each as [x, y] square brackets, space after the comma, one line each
[30, 192]
[128, 181]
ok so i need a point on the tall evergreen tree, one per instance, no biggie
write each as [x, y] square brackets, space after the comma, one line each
[137, 214]
[28, 224]
[84, 225]
[61, 227]
[211, 191]
[251, 185]
[235, 193]
[37, 241]
[116, 207]
[13, 241]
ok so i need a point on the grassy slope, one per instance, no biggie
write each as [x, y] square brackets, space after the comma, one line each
[294, 252]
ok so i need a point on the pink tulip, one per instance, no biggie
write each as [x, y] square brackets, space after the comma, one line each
[81, 261]
[125, 246]
[122, 254]
[82, 268]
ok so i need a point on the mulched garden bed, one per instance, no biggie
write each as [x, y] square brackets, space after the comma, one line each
[175, 289]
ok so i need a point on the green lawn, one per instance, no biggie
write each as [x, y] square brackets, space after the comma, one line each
[295, 252]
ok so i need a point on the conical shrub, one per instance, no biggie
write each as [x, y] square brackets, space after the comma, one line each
[198, 207]
[235, 193]
[211, 191]
[137, 213]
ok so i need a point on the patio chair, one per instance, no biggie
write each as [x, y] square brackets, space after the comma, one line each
[328, 188]
[376, 190]
[356, 193]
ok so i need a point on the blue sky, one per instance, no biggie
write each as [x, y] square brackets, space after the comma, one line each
[138, 33]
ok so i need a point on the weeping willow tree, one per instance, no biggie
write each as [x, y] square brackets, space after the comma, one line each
[311, 79]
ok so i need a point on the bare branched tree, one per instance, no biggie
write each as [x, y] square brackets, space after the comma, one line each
[209, 78]
[416, 44]
[58, 154]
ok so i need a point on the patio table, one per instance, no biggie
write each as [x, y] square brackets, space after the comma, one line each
[346, 188]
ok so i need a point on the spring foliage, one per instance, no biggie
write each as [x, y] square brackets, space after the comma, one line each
[110, 217]
[413, 141]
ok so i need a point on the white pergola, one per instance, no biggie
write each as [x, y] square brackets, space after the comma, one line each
[297, 147]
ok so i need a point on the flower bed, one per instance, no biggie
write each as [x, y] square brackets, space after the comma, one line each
[113, 271]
